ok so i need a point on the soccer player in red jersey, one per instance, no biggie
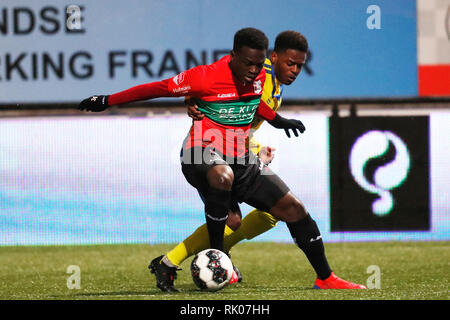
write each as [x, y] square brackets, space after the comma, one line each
[215, 158]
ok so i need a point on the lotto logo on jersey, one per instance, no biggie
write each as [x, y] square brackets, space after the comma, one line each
[257, 86]
[178, 79]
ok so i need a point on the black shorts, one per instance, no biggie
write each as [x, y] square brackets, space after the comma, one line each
[254, 182]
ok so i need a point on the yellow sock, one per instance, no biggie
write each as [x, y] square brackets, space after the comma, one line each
[254, 223]
[196, 242]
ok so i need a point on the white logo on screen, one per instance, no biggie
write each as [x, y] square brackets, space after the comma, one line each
[371, 145]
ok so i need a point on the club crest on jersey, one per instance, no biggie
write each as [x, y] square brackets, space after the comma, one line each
[178, 79]
[257, 86]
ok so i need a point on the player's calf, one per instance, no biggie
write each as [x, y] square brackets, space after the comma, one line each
[216, 210]
[217, 203]
[304, 232]
[289, 209]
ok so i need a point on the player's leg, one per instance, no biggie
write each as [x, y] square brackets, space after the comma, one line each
[256, 222]
[253, 224]
[304, 231]
[199, 239]
[272, 194]
[165, 267]
[193, 244]
[234, 216]
[211, 175]
[213, 179]
[217, 203]
[237, 229]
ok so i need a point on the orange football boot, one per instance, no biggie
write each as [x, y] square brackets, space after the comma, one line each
[334, 282]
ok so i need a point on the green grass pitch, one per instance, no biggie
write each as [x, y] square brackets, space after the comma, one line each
[271, 271]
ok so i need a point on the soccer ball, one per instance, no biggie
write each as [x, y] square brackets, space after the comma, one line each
[211, 269]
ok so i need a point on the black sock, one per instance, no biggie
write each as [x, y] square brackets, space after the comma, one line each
[217, 204]
[307, 236]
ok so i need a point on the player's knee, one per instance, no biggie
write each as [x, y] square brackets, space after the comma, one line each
[221, 177]
[289, 209]
[234, 221]
[299, 211]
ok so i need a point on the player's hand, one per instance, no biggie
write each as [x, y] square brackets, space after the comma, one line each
[192, 109]
[94, 104]
[282, 123]
[266, 154]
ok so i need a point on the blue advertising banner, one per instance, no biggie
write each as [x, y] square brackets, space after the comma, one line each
[63, 51]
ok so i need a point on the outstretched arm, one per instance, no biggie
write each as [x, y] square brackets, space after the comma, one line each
[141, 92]
[187, 83]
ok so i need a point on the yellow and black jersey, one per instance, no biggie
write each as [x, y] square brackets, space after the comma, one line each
[271, 95]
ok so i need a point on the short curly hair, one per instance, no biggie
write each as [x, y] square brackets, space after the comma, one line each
[290, 39]
[250, 37]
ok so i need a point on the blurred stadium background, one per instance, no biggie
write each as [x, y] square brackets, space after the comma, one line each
[373, 164]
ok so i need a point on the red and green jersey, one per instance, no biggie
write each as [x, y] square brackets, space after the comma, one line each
[229, 105]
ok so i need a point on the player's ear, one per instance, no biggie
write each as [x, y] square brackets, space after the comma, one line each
[273, 57]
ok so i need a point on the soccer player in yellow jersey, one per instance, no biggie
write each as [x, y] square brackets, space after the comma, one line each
[283, 67]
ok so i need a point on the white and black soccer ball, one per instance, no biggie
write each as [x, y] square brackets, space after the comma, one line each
[211, 269]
